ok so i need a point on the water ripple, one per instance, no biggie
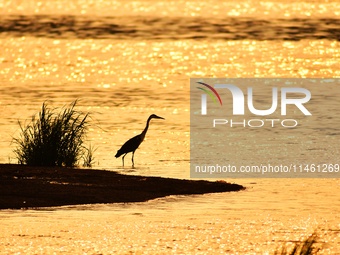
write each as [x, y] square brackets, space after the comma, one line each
[138, 27]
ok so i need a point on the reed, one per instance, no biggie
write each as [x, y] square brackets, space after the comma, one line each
[54, 139]
[306, 247]
[87, 157]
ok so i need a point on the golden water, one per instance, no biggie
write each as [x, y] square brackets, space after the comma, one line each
[122, 78]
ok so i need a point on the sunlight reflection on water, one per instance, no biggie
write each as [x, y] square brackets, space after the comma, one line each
[120, 98]
[121, 82]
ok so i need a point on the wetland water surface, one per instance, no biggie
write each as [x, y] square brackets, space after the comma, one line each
[125, 61]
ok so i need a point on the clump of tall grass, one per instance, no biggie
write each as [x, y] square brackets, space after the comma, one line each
[306, 247]
[54, 139]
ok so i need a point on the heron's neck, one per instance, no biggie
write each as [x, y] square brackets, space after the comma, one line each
[145, 129]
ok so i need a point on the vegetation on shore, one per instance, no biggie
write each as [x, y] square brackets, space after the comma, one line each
[305, 247]
[54, 139]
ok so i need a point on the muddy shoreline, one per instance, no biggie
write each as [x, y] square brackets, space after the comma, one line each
[30, 187]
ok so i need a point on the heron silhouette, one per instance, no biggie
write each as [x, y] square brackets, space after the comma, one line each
[132, 144]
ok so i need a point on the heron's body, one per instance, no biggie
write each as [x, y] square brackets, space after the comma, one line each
[132, 144]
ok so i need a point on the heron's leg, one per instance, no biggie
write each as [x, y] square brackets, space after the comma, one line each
[133, 154]
[123, 158]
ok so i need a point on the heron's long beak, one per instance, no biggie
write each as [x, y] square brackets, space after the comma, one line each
[154, 116]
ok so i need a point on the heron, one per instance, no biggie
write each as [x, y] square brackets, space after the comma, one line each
[132, 144]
